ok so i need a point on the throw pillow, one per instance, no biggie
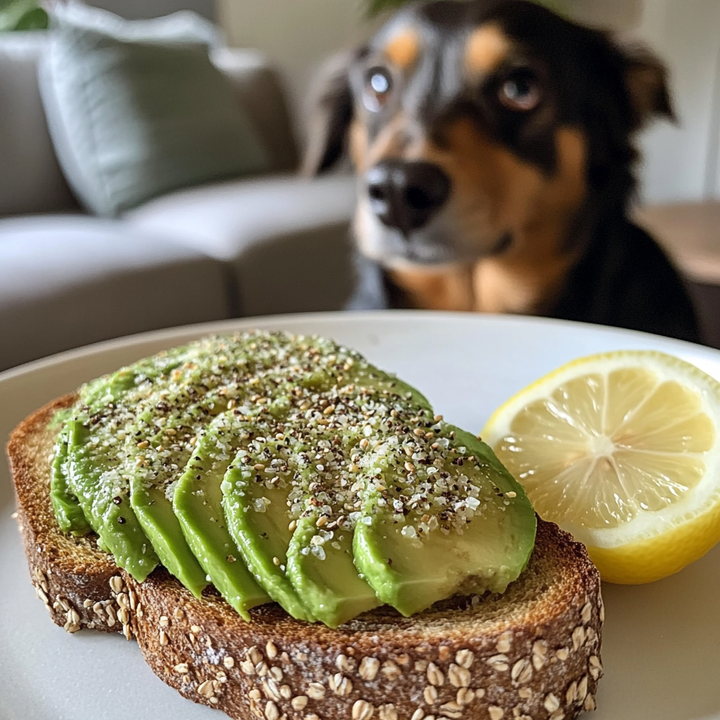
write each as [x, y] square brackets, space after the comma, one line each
[136, 109]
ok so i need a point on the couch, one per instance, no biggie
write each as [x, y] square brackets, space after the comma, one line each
[273, 243]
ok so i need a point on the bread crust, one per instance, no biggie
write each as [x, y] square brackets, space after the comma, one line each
[530, 653]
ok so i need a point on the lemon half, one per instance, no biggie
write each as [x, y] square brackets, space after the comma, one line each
[621, 449]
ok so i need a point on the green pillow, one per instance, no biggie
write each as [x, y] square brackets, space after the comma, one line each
[136, 109]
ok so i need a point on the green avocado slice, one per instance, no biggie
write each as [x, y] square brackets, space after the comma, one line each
[103, 497]
[66, 506]
[256, 508]
[461, 524]
[197, 502]
[325, 575]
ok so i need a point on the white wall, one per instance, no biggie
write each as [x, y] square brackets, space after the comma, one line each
[297, 35]
[681, 163]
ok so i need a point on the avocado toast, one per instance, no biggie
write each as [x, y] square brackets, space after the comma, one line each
[343, 522]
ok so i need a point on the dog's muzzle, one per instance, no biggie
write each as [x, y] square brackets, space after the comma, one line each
[405, 195]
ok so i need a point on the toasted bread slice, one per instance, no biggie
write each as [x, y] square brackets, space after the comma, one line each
[532, 652]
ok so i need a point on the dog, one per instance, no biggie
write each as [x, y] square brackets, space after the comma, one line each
[493, 140]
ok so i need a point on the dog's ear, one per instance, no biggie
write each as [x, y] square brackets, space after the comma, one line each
[647, 84]
[331, 111]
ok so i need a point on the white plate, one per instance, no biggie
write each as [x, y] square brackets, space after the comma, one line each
[661, 644]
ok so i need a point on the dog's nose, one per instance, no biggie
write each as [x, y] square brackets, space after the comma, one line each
[405, 195]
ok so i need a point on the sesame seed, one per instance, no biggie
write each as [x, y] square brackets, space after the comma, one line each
[465, 658]
[504, 642]
[387, 712]
[196, 629]
[205, 689]
[451, 710]
[578, 637]
[229, 661]
[570, 693]
[586, 613]
[340, 684]
[465, 696]
[270, 650]
[316, 691]
[458, 676]
[362, 710]
[521, 671]
[181, 668]
[344, 663]
[435, 676]
[369, 667]
[271, 689]
[299, 702]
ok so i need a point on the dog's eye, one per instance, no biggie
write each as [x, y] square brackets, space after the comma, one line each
[520, 90]
[378, 85]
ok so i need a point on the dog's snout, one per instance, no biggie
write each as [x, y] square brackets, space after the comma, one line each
[405, 195]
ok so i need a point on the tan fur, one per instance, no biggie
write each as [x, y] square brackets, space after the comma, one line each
[403, 48]
[486, 48]
[496, 192]
[448, 288]
[391, 142]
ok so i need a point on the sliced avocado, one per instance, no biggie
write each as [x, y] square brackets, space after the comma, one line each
[256, 509]
[65, 505]
[155, 514]
[288, 468]
[103, 496]
[324, 574]
[320, 558]
[197, 502]
[445, 522]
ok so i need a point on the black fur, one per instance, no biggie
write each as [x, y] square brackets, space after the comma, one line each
[622, 278]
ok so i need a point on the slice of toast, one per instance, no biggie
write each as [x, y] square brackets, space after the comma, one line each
[530, 653]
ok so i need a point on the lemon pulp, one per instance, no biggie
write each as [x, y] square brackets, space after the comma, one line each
[621, 449]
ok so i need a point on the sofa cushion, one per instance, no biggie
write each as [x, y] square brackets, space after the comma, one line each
[30, 177]
[67, 281]
[137, 109]
[285, 238]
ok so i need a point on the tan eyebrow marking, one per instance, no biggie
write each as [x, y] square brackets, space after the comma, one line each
[486, 48]
[403, 48]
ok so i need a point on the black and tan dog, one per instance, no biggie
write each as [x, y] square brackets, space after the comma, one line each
[493, 140]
